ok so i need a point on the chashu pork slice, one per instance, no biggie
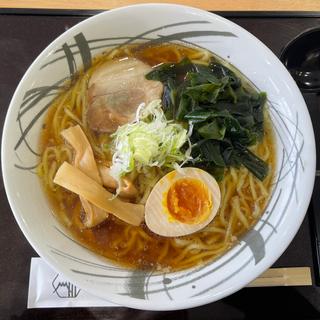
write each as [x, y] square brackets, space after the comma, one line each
[116, 89]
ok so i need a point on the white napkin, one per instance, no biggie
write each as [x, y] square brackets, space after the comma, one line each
[49, 289]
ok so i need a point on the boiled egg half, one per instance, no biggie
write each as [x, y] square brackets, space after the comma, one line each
[182, 202]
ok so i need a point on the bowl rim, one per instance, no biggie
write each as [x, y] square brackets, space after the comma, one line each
[129, 301]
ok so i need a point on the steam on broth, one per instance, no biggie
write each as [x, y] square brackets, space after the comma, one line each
[243, 195]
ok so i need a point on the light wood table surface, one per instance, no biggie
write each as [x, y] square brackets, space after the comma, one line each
[212, 5]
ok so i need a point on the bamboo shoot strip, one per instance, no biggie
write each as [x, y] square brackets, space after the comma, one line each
[76, 181]
[85, 161]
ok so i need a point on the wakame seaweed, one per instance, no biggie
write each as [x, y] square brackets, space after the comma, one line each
[227, 118]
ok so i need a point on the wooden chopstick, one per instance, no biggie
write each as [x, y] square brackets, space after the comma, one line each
[300, 276]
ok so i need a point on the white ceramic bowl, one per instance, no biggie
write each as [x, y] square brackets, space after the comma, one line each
[257, 251]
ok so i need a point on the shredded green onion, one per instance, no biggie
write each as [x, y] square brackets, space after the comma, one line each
[150, 141]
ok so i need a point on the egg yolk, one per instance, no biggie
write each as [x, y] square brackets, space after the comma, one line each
[188, 200]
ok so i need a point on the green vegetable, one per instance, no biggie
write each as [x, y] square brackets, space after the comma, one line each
[210, 151]
[212, 130]
[258, 167]
[227, 118]
[150, 141]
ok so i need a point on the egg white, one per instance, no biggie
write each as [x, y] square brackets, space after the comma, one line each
[156, 217]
